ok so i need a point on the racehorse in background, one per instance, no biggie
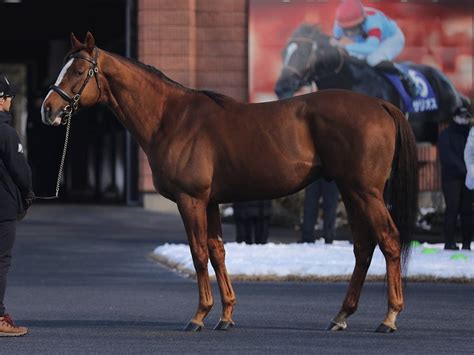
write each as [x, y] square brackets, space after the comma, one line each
[311, 56]
[205, 149]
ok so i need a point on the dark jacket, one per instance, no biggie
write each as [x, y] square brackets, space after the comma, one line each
[451, 145]
[15, 173]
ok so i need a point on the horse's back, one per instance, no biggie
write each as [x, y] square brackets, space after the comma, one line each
[238, 151]
[280, 147]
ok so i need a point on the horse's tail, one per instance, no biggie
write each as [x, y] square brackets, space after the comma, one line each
[402, 187]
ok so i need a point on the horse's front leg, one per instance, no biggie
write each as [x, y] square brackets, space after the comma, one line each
[217, 256]
[193, 213]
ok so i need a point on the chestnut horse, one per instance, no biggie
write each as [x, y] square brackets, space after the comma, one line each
[205, 148]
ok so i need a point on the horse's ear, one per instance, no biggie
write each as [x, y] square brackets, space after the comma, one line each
[90, 42]
[75, 43]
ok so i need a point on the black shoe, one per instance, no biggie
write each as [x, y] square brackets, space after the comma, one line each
[450, 246]
[466, 246]
[327, 241]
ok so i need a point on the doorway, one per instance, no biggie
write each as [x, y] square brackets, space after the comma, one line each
[101, 164]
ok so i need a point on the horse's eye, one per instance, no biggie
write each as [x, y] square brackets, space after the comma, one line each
[79, 72]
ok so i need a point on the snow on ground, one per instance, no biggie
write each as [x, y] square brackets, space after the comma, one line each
[321, 261]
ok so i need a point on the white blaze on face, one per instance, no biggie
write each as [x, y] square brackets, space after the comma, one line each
[292, 47]
[58, 81]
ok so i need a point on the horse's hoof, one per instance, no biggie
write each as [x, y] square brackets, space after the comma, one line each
[193, 327]
[224, 325]
[337, 326]
[383, 328]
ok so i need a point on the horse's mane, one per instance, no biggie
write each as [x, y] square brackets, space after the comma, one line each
[152, 70]
[218, 98]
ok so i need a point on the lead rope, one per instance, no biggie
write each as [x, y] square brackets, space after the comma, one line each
[63, 158]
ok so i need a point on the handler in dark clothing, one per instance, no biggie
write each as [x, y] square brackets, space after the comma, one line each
[329, 192]
[16, 196]
[252, 219]
[458, 198]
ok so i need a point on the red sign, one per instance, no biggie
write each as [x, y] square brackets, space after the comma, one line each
[439, 34]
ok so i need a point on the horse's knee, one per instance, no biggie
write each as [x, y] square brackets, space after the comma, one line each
[398, 307]
[229, 302]
[205, 306]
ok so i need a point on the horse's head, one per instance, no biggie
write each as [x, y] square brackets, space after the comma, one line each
[72, 89]
[308, 54]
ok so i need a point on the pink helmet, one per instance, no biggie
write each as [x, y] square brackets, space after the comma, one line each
[350, 13]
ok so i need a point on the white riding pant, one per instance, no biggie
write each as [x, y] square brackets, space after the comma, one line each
[469, 160]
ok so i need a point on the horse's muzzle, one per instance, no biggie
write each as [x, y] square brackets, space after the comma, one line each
[49, 119]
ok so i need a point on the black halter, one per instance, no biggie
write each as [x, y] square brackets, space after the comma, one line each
[73, 101]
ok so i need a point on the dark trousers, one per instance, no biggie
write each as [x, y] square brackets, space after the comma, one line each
[330, 194]
[7, 238]
[459, 202]
[258, 227]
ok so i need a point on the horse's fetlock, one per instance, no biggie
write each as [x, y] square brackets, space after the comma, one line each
[206, 307]
[229, 302]
[349, 308]
[396, 307]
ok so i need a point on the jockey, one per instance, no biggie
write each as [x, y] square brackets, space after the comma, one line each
[376, 38]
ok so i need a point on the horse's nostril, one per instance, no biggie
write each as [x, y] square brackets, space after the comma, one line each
[46, 113]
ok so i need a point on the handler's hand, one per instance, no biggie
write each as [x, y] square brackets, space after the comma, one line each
[29, 199]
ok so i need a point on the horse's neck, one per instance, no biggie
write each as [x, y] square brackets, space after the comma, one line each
[136, 97]
[341, 79]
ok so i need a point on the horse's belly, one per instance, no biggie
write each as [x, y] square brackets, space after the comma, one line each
[268, 184]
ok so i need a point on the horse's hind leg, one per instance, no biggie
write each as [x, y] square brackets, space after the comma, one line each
[364, 247]
[193, 213]
[217, 256]
[388, 239]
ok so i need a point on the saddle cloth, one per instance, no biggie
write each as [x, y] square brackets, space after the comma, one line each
[425, 101]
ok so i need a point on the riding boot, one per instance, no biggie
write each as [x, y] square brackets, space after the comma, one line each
[462, 115]
[407, 81]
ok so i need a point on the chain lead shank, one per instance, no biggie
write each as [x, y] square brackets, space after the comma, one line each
[70, 109]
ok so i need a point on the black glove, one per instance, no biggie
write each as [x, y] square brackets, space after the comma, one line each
[29, 199]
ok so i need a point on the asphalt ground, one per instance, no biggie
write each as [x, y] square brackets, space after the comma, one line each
[83, 282]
